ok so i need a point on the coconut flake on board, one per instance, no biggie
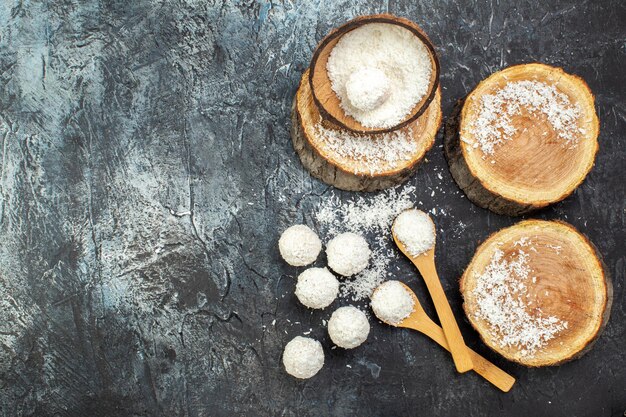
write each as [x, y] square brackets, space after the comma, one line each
[375, 153]
[503, 301]
[494, 124]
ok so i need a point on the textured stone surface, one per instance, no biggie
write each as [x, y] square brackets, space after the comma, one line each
[147, 171]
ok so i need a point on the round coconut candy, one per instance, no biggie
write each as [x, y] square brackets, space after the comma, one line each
[348, 254]
[299, 245]
[348, 327]
[392, 303]
[416, 231]
[303, 357]
[317, 288]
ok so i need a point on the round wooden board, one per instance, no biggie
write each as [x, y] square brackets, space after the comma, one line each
[535, 167]
[348, 172]
[566, 281]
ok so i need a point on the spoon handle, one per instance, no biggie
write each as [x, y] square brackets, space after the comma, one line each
[460, 353]
[482, 366]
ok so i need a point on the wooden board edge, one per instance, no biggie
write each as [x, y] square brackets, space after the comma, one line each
[322, 169]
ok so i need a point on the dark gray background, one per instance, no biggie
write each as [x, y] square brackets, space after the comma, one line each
[147, 171]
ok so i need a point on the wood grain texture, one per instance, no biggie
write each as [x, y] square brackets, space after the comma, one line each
[418, 320]
[425, 264]
[569, 283]
[534, 168]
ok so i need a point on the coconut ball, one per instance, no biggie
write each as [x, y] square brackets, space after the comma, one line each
[367, 88]
[348, 327]
[416, 230]
[317, 288]
[299, 245]
[348, 254]
[303, 357]
[392, 303]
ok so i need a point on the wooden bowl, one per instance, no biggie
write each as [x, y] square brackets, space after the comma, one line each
[325, 97]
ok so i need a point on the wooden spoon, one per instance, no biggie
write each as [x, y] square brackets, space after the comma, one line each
[425, 263]
[418, 320]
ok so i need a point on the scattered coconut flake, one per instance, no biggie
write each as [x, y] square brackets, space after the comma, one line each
[494, 123]
[372, 216]
[556, 248]
[364, 283]
[375, 153]
[502, 301]
[522, 241]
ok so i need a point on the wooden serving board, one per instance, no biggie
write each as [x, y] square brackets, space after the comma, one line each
[535, 167]
[566, 281]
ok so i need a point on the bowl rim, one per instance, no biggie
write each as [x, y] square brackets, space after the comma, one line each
[354, 24]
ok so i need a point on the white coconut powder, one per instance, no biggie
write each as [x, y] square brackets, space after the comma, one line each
[390, 59]
[494, 122]
[503, 302]
[392, 303]
[367, 88]
[415, 230]
[371, 216]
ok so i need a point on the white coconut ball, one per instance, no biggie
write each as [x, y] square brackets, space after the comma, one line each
[299, 245]
[367, 88]
[416, 230]
[317, 288]
[303, 357]
[392, 303]
[348, 254]
[348, 327]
